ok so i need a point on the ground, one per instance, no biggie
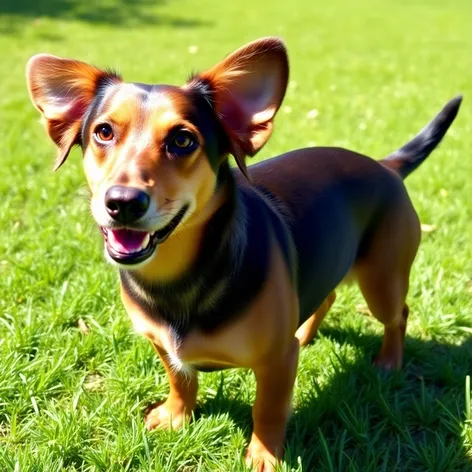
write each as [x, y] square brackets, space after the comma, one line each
[75, 379]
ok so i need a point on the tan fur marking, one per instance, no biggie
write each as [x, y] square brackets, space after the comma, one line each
[307, 331]
[181, 401]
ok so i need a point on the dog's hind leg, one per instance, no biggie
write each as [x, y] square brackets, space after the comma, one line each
[307, 331]
[386, 301]
[383, 277]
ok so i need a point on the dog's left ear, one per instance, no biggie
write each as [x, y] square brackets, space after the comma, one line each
[248, 87]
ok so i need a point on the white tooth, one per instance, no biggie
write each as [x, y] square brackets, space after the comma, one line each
[146, 240]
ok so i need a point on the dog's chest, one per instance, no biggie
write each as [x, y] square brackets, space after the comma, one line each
[266, 323]
[230, 346]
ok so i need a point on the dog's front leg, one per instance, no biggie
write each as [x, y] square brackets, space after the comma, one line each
[182, 398]
[272, 407]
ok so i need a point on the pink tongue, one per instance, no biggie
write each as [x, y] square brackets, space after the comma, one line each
[126, 240]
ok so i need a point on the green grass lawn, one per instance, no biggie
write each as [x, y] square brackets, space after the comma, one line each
[75, 379]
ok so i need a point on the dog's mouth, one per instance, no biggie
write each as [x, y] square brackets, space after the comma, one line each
[130, 246]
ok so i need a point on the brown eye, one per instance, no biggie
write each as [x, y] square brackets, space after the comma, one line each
[183, 143]
[103, 132]
[182, 140]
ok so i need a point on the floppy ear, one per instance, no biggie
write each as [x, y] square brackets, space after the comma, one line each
[248, 87]
[62, 90]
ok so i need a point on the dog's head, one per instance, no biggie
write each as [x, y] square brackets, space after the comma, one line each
[154, 154]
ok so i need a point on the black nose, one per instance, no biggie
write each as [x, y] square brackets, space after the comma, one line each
[126, 204]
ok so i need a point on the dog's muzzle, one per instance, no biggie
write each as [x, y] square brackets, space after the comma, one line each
[126, 245]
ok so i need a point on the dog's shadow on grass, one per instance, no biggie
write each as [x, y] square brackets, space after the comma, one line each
[15, 14]
[362, 419]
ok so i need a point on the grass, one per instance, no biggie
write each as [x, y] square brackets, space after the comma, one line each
[365, 75]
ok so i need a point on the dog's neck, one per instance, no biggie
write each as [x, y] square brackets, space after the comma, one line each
[217, 248]
[174, 257]
[179, 253]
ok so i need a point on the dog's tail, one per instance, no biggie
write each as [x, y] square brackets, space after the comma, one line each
[411, 155]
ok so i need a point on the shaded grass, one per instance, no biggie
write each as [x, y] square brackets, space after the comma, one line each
[374, 72]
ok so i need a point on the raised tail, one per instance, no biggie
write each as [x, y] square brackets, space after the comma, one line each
[411, 155]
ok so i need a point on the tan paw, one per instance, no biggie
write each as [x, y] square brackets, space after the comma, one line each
[260, 459]
[388, 363]
[166, 417]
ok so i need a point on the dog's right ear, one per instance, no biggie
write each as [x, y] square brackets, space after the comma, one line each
[62, 90]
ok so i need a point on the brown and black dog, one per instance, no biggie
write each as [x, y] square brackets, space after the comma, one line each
[224, 268]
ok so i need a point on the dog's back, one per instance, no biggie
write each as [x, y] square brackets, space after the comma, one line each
[327, 197]
[334, 201]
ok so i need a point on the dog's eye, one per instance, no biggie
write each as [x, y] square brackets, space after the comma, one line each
[104, 132]
[184, 142]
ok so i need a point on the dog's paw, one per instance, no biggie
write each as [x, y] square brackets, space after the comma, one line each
[165, 416]
[387, 363]
[260, 459]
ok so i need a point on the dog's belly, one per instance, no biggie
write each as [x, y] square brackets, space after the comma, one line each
[327, 245]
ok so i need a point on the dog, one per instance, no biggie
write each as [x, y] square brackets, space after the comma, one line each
[226, 266]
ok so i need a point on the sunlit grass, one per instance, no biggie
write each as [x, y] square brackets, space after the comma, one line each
[365, 75]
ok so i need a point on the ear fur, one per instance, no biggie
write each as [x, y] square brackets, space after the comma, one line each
[248, 87]
[62, 90]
